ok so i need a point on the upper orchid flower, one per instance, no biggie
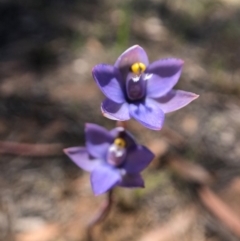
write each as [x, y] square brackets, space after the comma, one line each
[113, 158]
[134, 88]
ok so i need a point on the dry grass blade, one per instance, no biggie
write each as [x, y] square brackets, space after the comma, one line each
[217, 207]
[190, 171]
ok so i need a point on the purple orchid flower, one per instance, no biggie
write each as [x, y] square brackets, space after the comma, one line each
[134, 88]
[112, 157]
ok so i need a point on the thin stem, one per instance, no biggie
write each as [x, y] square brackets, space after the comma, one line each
[121, 124]
[107, 205]
[100, 216]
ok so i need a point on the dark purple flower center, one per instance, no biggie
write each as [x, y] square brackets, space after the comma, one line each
[117, 152]
[136, 87]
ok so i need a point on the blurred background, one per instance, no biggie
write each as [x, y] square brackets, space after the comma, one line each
[47, 51]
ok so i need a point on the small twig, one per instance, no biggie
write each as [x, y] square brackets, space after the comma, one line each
[26, 149]
[194, 173]
[189, 171]
[219, 209]
[103, 213]
[173, 137]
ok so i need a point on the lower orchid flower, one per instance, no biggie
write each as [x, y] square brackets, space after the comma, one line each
[136, 89]
[112, 157]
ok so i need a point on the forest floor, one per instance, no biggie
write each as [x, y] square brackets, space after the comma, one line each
[47, 95]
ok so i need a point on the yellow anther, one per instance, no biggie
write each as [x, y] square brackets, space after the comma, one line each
[120, 142]
[138, 68]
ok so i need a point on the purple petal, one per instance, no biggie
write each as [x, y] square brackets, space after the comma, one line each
[138, 159]
[162, 76]
[115, 111]
[148, 114]
[98, 140]
[109, 81]
[132, 180]
[129, 57]
[80, 156]
[175, 99]
[104, 178]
